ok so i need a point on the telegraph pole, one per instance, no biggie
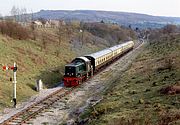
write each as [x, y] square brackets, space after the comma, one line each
[14, 68]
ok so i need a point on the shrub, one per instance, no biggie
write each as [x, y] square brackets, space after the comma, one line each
[14, 30]
[169, 29]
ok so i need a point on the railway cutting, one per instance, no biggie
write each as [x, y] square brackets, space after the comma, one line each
[27, 115]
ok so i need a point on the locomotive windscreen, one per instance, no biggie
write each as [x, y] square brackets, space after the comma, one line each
[70, 71]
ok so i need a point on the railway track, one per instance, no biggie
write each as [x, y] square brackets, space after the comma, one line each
[30, 112]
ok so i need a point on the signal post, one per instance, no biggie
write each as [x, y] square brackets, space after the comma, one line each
[14, 81]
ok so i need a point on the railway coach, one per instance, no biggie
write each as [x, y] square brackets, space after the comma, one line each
[82, 68]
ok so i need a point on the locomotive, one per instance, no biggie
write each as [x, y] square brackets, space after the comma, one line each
[82, 68]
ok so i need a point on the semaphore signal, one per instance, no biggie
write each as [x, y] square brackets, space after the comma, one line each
[14, 68]
[9, 68]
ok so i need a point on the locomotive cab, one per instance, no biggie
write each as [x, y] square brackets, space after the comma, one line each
[77, 71]
[74, 70]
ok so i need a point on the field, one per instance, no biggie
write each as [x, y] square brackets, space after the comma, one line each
[147, 93]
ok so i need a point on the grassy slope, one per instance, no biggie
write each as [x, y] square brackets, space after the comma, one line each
[31, 61]
[135, 97]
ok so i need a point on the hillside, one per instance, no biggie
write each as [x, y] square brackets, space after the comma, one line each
[148, 92]
[122, 18]
[43, 56]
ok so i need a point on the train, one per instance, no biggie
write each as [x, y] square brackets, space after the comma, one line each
[84, 67]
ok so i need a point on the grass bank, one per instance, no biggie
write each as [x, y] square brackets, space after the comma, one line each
[139, 95]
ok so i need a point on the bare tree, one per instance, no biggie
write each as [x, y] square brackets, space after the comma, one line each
[32, 16]
[57, 51]
[33, 29]
[44, 40]
[81, 37]
[14, 13]
[23, 13]
[169, 28]
[82, 33]
[1, 17]
[19, 14]
[61, 32]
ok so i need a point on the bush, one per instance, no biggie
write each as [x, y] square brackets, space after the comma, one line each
[14, 30]
[109, 32]
[169, 29]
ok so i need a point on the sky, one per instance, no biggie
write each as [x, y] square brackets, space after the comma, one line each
[152, 7]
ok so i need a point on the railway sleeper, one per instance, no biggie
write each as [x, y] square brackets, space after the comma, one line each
[51, 100]
[16, 121]
[34, 110]
[37, 106]
[18, 118]
[12, 123]
[59, 95]
[46, 102]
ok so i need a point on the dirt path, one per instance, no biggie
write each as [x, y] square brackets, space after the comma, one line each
[69, 108]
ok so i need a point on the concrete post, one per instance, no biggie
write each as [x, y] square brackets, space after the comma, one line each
[92, 71]
[14, 86]
[39, 85]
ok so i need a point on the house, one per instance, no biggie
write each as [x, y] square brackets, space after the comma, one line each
[57, 23]
[47, 24]
[37, 24]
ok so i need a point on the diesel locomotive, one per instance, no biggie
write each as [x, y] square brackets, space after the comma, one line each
[82, 68]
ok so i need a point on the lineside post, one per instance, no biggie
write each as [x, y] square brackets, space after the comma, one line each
[14, 84]
[92, 71]
[14, 81]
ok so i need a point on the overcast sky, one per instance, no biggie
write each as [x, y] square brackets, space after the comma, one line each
[152, 7]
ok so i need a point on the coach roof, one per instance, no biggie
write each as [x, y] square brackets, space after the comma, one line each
[100, 53]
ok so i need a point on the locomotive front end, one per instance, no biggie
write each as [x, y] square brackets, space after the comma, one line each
[70, 77]
[77, 71]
